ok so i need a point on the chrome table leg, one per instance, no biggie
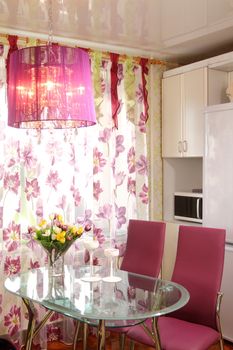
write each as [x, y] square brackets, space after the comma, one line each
[76, 333]
[42, 322]
[31, 323]
[85, 331]
[101, 335]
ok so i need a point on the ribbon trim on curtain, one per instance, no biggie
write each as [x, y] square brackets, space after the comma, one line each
[114, 83]
[145, 71]
[12, 39]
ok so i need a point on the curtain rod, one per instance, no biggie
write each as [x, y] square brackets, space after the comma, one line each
[105, 54]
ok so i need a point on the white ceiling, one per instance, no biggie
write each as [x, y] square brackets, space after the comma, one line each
[173, 30]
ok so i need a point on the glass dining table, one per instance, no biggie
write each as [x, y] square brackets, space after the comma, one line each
[129, 301]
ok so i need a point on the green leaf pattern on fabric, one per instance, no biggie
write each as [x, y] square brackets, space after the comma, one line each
[130, 89]
[98, 95]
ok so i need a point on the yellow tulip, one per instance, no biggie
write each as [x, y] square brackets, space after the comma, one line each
[60, 218]
[74, 230]
[80, 230]
[61, 237]
[43, 223]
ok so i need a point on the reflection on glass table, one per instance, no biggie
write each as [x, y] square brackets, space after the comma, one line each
[125, 303]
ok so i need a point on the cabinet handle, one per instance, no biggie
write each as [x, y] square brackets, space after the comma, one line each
[198, 208]
[185, 146]
[180, 146]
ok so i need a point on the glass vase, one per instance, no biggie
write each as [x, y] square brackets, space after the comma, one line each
[56, 263]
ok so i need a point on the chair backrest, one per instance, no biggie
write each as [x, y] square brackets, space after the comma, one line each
[198, 267]
[144, 247]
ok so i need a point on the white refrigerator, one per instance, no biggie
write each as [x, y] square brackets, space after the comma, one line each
[218, 195]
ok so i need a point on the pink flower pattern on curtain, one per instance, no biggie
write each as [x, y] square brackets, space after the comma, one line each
[97, 174]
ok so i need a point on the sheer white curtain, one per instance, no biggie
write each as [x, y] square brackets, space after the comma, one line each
[96, 174]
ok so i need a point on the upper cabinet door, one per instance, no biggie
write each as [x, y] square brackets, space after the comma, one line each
[184, 99]
[194, 101]
[172, 117]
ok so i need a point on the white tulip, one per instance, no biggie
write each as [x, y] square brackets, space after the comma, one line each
[53, 237]
[47, 233]
[51, 216]
[57, 229]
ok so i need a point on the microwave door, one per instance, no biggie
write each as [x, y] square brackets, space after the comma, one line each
[188, 208]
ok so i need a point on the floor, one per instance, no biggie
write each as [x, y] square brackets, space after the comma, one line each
[112, 344]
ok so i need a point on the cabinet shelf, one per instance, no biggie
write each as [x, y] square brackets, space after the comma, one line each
[219, 107]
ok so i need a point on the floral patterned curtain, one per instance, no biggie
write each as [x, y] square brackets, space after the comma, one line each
[95, 175]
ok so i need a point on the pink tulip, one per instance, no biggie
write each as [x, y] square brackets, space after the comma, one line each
[87, 228]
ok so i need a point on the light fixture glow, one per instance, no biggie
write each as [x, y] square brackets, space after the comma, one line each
[50, 87]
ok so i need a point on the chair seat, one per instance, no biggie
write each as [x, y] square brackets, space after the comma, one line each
[123, 329]
[118, 329]
[177, 334]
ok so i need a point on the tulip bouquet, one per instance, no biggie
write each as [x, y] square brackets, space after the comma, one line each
[55, 236]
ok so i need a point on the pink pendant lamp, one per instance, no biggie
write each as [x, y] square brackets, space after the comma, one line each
[50, 87]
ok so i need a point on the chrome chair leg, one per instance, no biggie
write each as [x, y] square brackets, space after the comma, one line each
[122, 341]
[155, 332]
[219, 300]
[221, 344]
[131, 345]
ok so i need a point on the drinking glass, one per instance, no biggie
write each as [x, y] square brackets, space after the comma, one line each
[111, 254]
[91, 245]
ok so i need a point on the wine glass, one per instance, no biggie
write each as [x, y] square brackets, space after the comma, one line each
[112, 254]
[91, 245]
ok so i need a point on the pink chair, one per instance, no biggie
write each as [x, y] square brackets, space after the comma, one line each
[145, 243]
[198, 267]
[143, 255]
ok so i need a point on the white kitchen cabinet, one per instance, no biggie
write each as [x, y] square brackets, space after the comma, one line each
[213, 172]
[184, 99]
[171, 116]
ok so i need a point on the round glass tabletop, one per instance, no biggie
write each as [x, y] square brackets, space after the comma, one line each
[129, 300]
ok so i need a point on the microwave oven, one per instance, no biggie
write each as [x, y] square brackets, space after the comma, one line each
[188, 206]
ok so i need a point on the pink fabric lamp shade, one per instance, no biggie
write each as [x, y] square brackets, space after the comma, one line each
[50, 87]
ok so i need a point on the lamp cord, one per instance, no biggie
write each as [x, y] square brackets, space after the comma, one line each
[50, 19]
